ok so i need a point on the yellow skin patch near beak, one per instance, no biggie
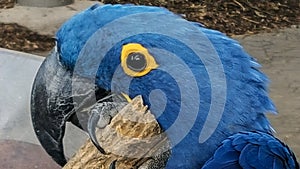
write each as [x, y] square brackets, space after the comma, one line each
[136, 61]
[126, 97]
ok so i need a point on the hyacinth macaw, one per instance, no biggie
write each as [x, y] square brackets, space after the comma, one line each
[206, 92]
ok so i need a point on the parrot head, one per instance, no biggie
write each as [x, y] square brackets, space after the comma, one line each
[201, 85]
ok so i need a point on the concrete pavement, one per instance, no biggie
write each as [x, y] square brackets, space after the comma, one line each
[279, 54]
[17, 72]
[43, 20]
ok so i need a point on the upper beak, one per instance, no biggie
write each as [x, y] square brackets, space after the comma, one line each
[57, 97]
[51, 105]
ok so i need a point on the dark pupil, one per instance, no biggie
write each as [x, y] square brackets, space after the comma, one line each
[136, 62]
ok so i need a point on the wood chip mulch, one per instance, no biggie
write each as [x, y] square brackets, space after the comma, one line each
[233, 17]
[7, 4]
[16, 37]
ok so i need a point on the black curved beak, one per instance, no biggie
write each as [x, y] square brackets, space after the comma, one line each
[51, 87]
[53, 104]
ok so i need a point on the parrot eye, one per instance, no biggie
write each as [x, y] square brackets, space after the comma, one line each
[136, 60]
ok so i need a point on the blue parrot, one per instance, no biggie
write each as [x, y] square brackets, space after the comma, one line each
[207, 94]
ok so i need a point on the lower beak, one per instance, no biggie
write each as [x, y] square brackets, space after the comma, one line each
[102, 113]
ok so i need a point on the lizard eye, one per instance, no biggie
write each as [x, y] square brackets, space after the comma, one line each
[136, 60]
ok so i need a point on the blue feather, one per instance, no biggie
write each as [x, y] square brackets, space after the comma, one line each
[252, 150]
[74, 33]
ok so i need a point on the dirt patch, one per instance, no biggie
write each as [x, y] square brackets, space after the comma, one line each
[233, 17]
[16, 37]
[22, 155]
[7, 4]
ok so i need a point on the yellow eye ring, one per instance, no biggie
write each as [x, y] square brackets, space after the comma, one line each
[136, 61]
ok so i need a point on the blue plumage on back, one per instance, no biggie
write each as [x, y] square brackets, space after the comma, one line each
[247, 99]
[248, 150]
